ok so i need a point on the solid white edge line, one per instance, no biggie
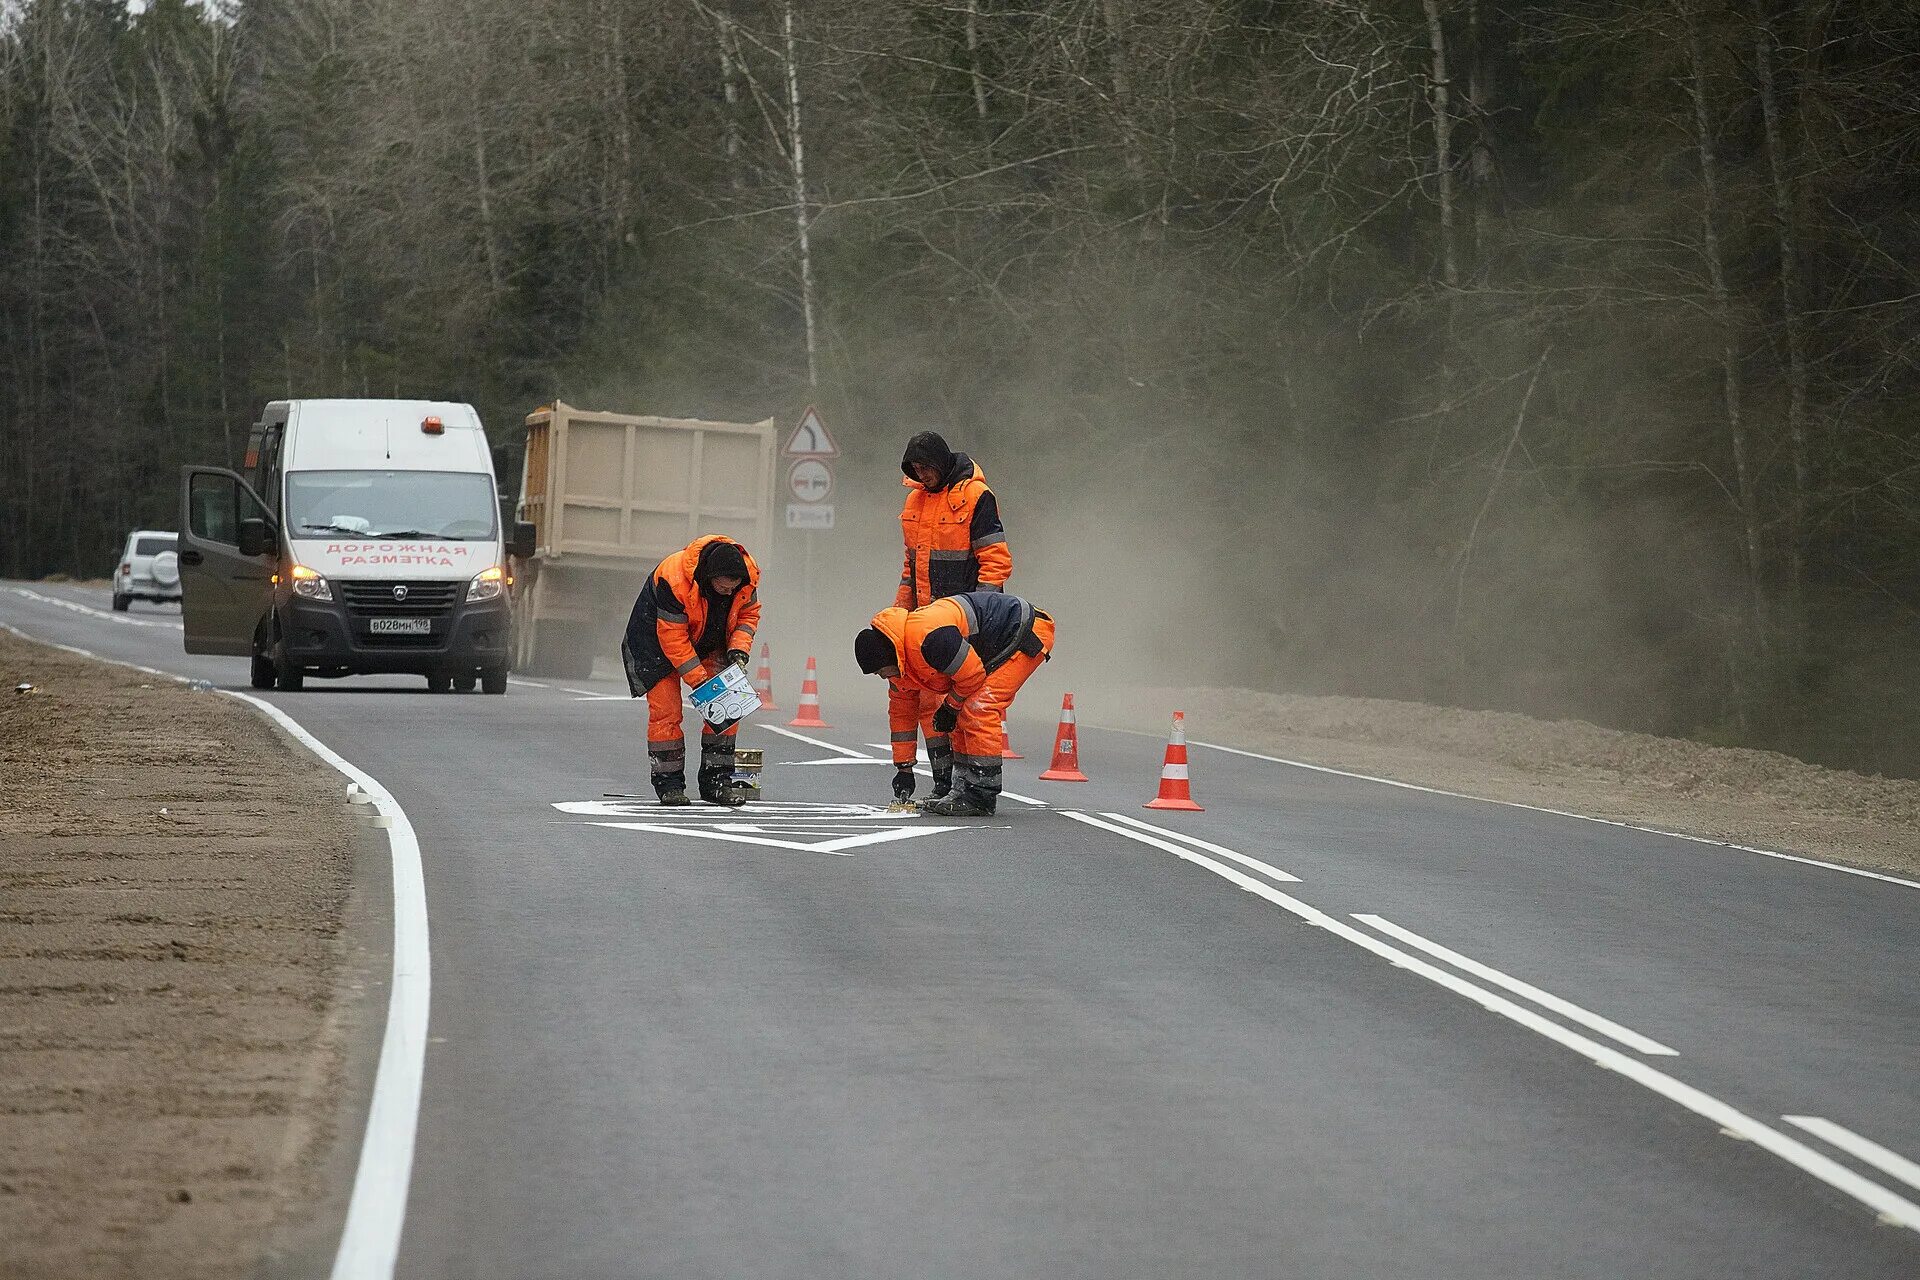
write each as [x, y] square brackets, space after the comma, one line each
[1558, 813]
[377, 1209]
[1207, 845]
[1891, 1207]
[1545, 999]
[1867, 1150]
[76, 607]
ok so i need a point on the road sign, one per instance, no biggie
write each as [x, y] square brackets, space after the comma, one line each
[809, 515]
[810, 438]
[810, 480]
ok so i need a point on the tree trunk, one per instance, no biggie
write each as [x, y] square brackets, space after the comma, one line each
[973, 65]
[1793, 314]
[802, 212]
[1480, 165]
[1737, 431]
[1442, 143]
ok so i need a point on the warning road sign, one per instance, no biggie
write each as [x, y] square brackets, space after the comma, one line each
[810, 438]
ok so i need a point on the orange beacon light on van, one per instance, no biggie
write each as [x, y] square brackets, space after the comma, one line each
[433, 426]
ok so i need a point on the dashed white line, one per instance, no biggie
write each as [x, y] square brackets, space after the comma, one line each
[76, 607]
[1865, 1150]
[1545, 999]
[1890, 1206]
[1208, 846]
[822, 743]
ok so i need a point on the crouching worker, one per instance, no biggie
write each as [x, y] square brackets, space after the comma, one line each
[698, 611]
[974, 651]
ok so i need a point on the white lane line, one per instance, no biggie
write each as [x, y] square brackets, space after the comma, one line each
[376, 1212]
[1207, 845]
[1891, 1207]
[1545, 999]
[1536, 808]
[1862, 1149]
[920, 755]
[822, 743]
[92, 612]
[531, 684]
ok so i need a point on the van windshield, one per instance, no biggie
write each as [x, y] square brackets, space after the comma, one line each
[452, 506]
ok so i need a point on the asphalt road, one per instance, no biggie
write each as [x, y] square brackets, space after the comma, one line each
[795, 1042]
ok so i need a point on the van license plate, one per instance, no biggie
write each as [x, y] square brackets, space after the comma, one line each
[401, 626]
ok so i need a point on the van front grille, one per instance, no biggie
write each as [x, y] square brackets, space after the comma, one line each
[389, 599]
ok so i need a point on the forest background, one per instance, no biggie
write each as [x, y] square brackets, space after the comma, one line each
[1557, 357]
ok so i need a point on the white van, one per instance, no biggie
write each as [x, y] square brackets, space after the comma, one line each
[364, 537]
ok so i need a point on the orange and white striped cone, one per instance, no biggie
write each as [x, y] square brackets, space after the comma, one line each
[1174, 790]
[1006, 745]
[807, 716]
[763, 681]
[1066, 748]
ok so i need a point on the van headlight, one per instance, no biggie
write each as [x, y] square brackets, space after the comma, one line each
[488, 584]
[309, 585]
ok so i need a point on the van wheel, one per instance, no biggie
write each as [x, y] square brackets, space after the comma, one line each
[493, 680]
[120, 602]
[262, 673]
[290, 679]
[438, 683]
[465, 683]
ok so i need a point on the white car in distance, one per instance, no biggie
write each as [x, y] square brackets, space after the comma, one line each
[149, 569]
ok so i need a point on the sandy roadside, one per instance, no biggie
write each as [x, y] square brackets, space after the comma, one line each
[1754, 798]
[172, 879]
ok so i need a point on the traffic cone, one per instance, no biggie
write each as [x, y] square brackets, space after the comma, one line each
[1006, 745]
[763, 681]
[1066, 749]
[1174, 793]
[808, 714]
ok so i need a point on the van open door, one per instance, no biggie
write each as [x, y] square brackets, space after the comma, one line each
[224, 591]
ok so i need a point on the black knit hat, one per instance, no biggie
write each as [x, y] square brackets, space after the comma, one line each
[872, 650]
[928, 448]
[721, 559]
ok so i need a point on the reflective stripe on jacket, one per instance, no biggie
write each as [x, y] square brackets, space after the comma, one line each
[954, 539]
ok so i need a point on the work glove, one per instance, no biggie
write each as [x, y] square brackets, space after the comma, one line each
[739, 658]
[945, 718]
[903, 782]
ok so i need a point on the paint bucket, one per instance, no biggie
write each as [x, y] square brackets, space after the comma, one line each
[746, 771]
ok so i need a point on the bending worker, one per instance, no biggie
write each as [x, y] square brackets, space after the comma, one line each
[955, 543]
[970, 654]
[698, 611]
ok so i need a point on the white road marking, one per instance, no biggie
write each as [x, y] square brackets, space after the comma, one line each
[1558, 813]
[121, 618]
[822, 743]
[603, 697]
[531, 684]
[1863, 1149]
[1545, 999]
[377, 1208]
[1891, 1207]
[756, 811]
[1207, 845]
[838, 845]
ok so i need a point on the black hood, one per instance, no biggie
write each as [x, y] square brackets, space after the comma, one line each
[929, 448]
[872, 651]
[719, 560]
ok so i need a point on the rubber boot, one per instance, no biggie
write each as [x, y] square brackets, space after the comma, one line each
[971, 797]
[716, 787]
[669, 774]
[942, 783]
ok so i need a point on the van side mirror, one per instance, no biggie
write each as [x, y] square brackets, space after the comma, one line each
[253, 537]
[521, 544]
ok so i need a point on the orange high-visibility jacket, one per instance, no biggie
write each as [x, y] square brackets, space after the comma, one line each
[937, 648]
[955, 541]
[679, 614]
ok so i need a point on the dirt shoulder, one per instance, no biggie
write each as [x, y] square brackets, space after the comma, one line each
[173, 874]
[1757, 798]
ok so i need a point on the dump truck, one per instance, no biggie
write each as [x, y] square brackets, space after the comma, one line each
[604, 497]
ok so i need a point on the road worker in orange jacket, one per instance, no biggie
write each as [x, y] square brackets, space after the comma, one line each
[970, 653]
[699, 610]
[954, 543]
